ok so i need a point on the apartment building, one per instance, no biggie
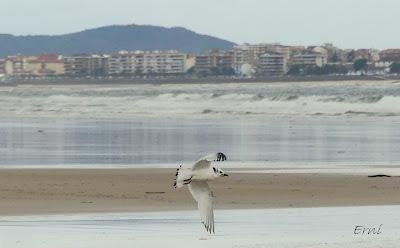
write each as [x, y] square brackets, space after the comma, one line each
[164, 63]
[126, 63]
[250, 53]
[129, 63]
[204, 63]
[310, 58]
[391, 55]
[272, 64]
[215, 61]
[17, 65]
[42, 65]
[371, 55]
[45, 65]
[82, 65]
[2, 67]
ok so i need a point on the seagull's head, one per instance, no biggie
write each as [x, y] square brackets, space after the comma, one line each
[219, 172]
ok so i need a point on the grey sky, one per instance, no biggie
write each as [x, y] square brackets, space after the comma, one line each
[346, 23]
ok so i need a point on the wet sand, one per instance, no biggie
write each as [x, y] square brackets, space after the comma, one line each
[246, 228]
[58, 191]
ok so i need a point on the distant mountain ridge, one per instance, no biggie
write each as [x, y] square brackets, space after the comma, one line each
[111, 39]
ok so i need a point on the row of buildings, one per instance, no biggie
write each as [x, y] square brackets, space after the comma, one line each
[246, 60]
[276, 59]
[122, 63]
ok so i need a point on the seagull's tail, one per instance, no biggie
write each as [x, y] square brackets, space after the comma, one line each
[183, 176]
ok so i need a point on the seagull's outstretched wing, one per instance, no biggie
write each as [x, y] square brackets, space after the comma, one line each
[202, 194]
[205, 162]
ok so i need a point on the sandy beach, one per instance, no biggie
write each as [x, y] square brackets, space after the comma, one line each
[59, 191]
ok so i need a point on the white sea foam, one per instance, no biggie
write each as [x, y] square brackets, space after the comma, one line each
[202, 100]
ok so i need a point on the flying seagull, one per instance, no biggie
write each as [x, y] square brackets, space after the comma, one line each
[196, 178]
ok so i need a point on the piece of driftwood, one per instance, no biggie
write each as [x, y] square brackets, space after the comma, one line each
[380, 175]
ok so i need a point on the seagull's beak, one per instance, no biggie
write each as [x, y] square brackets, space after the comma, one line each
[225, 175]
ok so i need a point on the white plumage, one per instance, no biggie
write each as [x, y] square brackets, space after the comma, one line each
[196, 178]
[202, 193]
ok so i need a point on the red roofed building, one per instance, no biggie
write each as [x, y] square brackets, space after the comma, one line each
[46, 65]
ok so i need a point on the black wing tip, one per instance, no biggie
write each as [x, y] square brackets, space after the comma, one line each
[176, 175]
[221, 156]
[209, 229]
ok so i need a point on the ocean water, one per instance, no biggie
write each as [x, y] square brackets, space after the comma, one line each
[203, 100]
[286, 123]
[272, 228]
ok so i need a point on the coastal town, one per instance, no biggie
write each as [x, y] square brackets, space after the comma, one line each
[243, 61]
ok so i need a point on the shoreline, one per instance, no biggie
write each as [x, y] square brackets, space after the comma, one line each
[183, 80]
[71, 191]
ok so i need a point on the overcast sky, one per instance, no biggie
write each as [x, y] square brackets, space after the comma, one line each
[346, 23]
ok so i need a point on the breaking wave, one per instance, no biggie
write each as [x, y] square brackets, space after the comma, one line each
[191, 100]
